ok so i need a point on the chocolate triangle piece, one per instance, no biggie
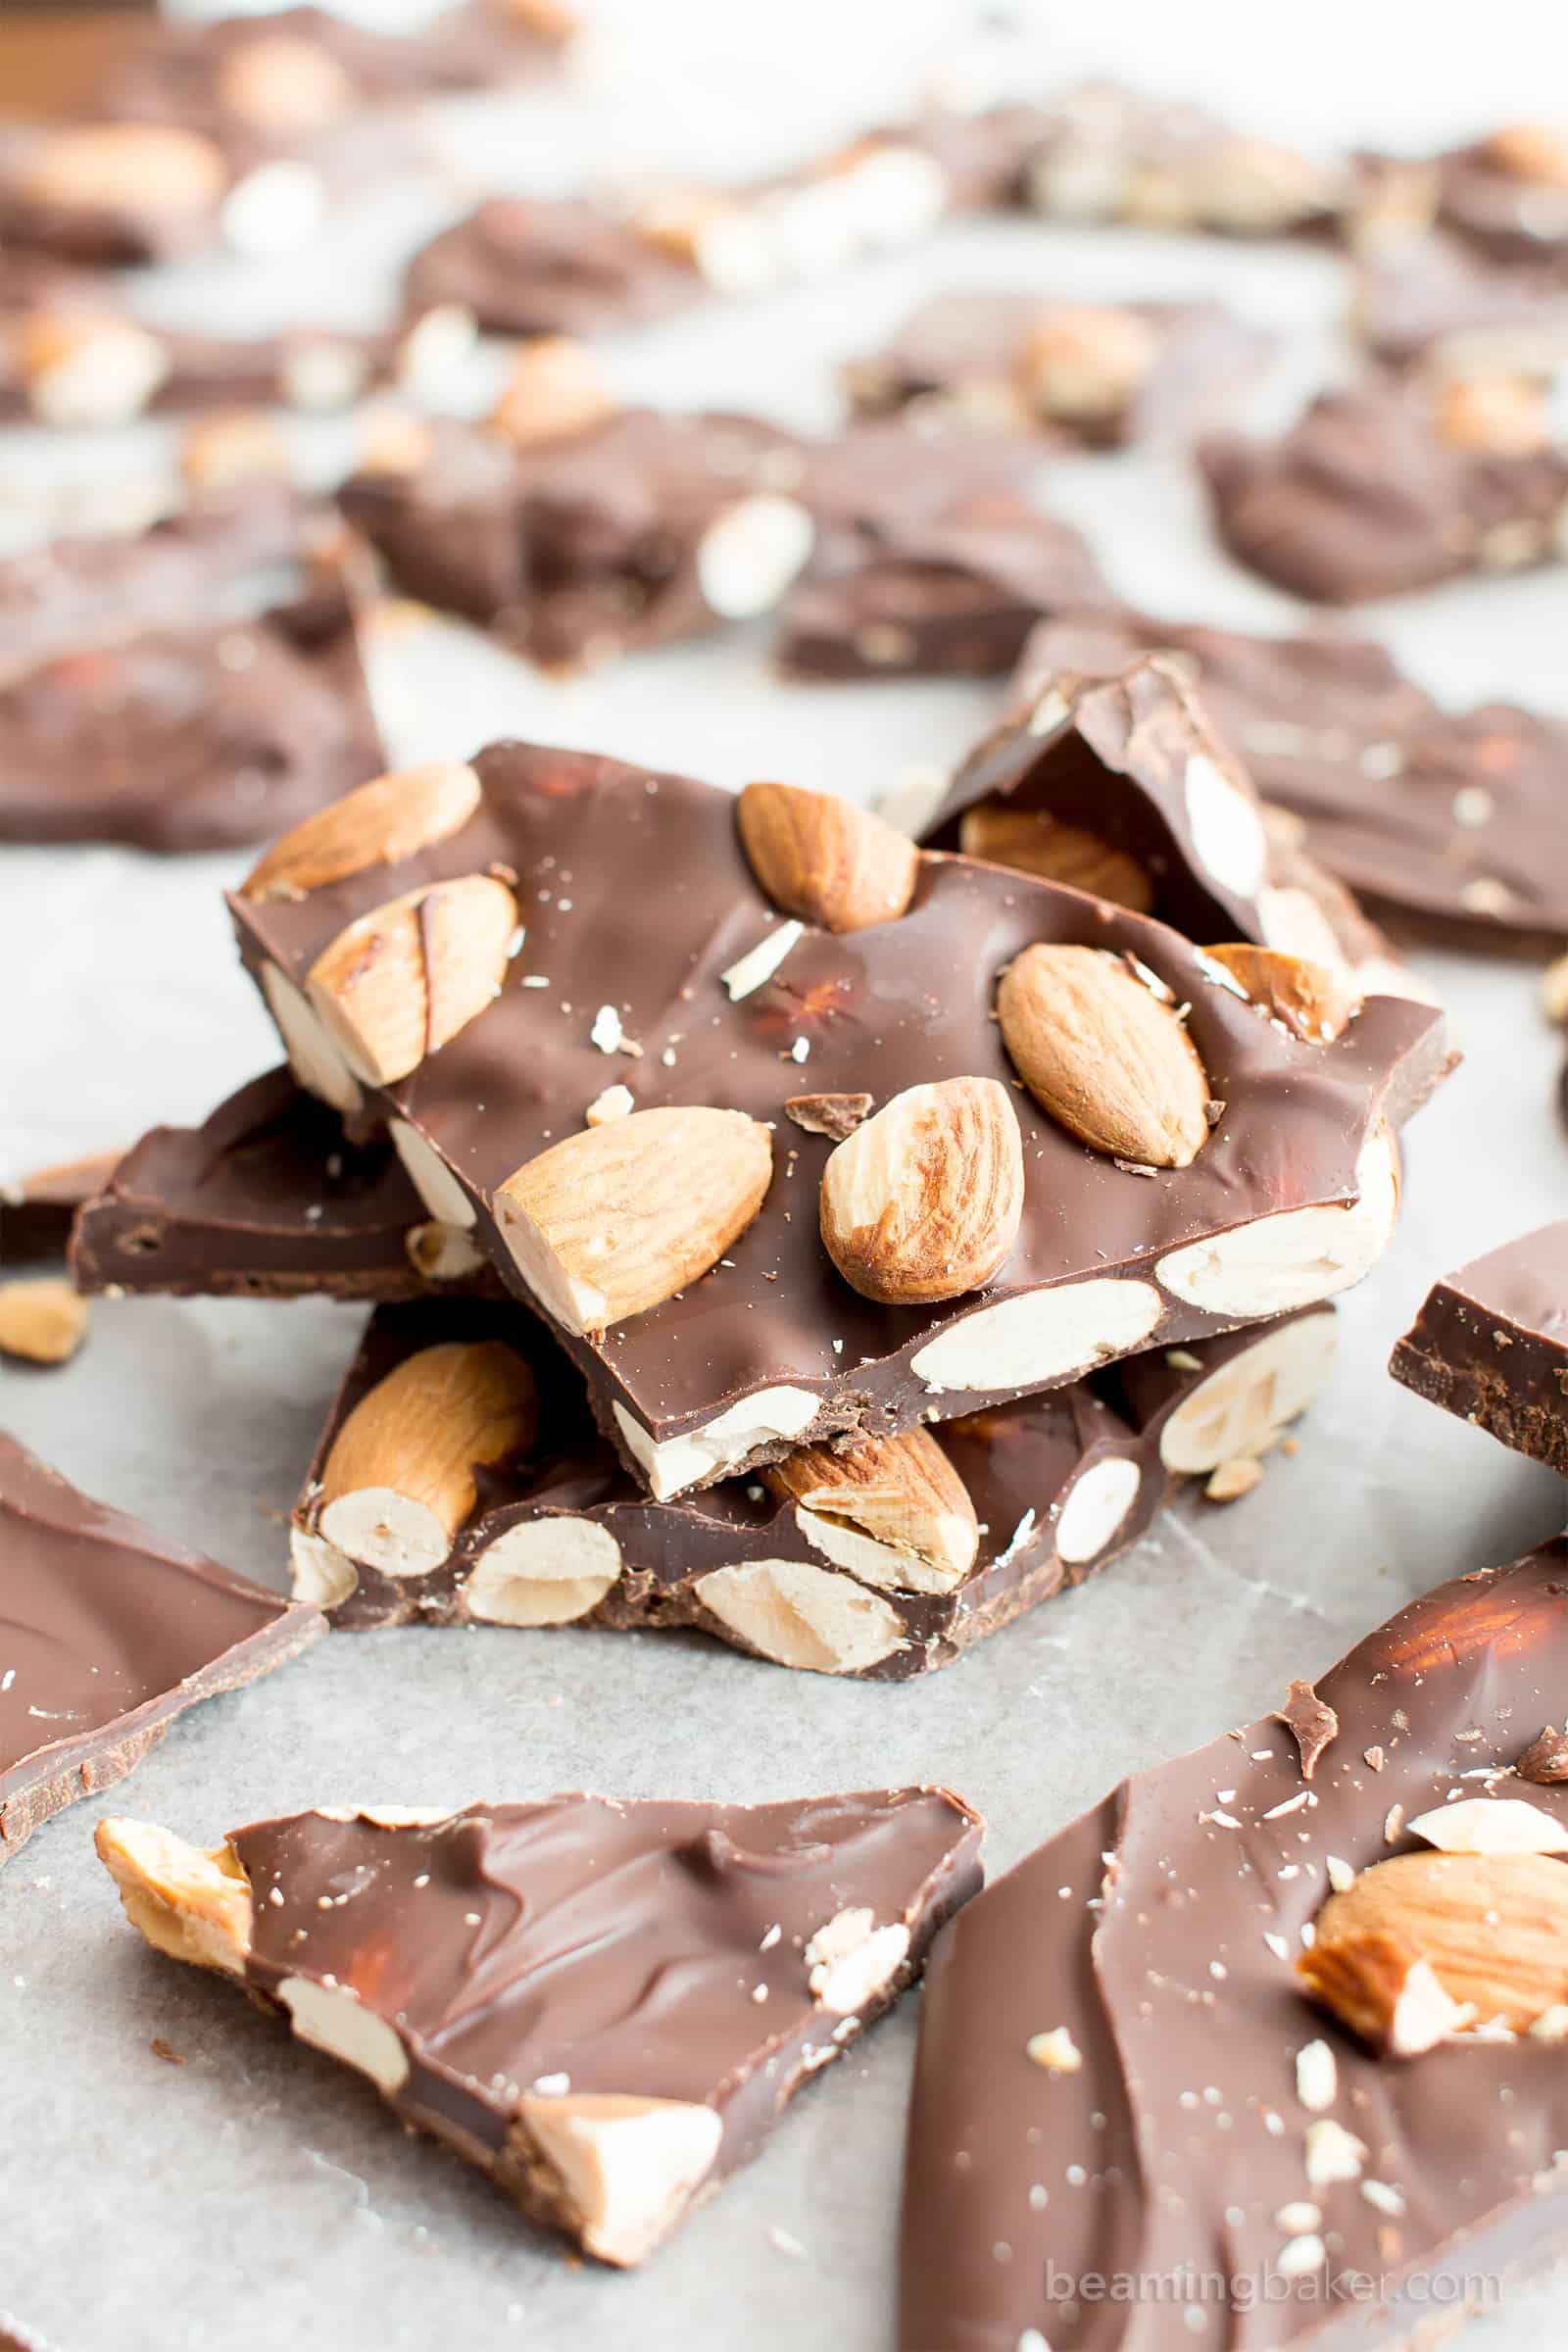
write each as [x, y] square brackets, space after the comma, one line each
[603, 2004]
[111, 1632]
[1491, 1343]
[1239, 2050]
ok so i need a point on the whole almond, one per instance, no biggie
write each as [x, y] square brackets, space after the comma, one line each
[102, 166]
[1305, 998]
[43, 1321]
[1032, 843]
[554, 390]
[392, 817]
[824, 860]
[612, 1221]
[401, 981]
[901, 1494]
[1492, 1929]
[1104, 1055]
[923, 1202]
[399, 1480]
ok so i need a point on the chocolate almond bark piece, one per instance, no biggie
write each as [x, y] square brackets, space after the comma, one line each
[695, 998]
[264, 1199]
[111, 1632]
[38, 1209]
[1507, 194]
[1075, 373]
[1393, 486]
[603, 2004]
[1449, 817]
[1491, 1343]
[1137, 2119]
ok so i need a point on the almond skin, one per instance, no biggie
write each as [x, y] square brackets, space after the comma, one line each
[612, 1221]
[824, 860]
[392, 817]
[1492, 1929]
[923, 1202]
[1032, 843]
[399, 1480]
[401, 981]
[902, 1493]
[1305, 998]
[1104, 1055]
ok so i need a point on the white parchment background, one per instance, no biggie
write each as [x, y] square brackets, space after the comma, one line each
[257, 2196]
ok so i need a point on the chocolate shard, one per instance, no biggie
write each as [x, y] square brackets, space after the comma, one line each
[1112, 773]
[1121, 2072]
[266, 1200]
[604, 2004]
[1078, 375]
[1447, 817]
[1393, 486]
[111, 1633]
[714, 989]
[1491, 1343]
[1545, 1760]
[36, 1210]
[1311, 1724]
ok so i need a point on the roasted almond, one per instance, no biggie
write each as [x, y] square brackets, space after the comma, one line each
[923, 1202]
[554, 390]
[85, 368]
[824, 860]
[1489, 1930]
[104, 166]
[1312, 1001]
[392, 817]
[894, 1512]
[1104, 1055]
[401, 981]
[1034, 843]
[399, 1480]
[44, 1321]
[610, 1222]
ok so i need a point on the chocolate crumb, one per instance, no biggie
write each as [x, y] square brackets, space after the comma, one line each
[1545, 1760]
[1312, 1723]
[834, 1115]
[165, 2050]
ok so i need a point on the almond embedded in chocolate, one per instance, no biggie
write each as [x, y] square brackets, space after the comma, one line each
[1034, 843]
[554, 390]
[612, 1221]
[923, 1202]
[1086, 363]
[1308, 999]
[894, 1512]
[824, 860]
[1105, 1056]
[402, 980]
[392, 817]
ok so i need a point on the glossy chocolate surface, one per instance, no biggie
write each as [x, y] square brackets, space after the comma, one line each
[1491, 1343]
[109, 1633]
[635, 892]
[1172, 2156]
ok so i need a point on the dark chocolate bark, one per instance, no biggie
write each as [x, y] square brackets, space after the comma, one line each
[111, 1632]
[632, 532]
[1432, 300]
[603, 2004]
[266, 1200]
[38, 1209]
[1491, 1343]
[1451, 817]
[189, 739]
[650, 903]
[1366, 496]
[1120, 2073]
[1093, 376]
[533, 266]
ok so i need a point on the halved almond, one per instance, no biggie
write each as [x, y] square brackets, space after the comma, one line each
[392, 817]
[621, 2170]
[1034, 843]
[1105, 1056]
[610, 1222]
[923, 1202]
[823, 858]
[399, 1480]
[401, 981]
[894, 1513]
[555, 389]
[191, 1904]
[1312, 1001]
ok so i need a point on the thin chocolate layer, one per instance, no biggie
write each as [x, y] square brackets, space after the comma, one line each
[108, 1633]
[1453, 817]
[649, 903]
[540, 1984]
[36, 1210]
[1368, 495]
[637, 531]
[1112, 2084]
[1077, 374]
[1491, 1343]
[264, 1199]
[189, 739]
